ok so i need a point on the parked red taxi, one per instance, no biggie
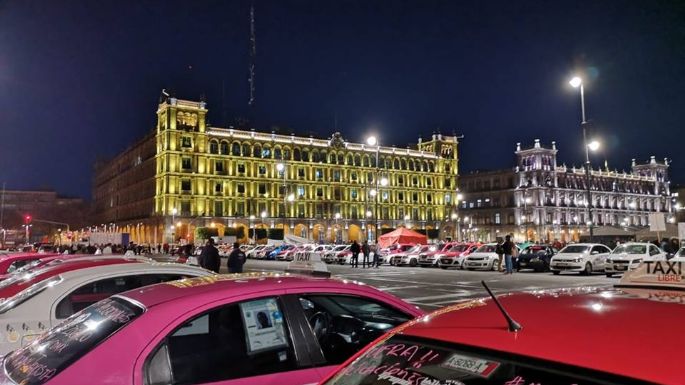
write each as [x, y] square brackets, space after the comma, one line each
[583, 336]
[456, 255]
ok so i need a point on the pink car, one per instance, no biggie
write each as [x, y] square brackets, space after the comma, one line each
[254, 328]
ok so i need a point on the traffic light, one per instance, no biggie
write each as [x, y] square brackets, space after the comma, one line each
[27, 219]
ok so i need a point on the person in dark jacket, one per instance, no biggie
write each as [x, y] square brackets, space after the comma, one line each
[355, 250]
[508, 248]
[236, 259]
[366, 250]
[209, 259]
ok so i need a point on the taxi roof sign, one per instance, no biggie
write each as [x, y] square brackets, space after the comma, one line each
[308, 263]
[656, 274]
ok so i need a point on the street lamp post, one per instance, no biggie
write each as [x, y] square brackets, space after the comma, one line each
[577, 82]
[337, 216]
[254, 237]
[373, 141]
[174, 211]
[455, 216]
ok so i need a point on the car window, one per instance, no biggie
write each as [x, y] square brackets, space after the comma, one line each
[234, 341]
[630, 249]
[57, 348]
[575, 249]
[18, 264]
[406, 360]
[653, 250]
[92, 292]
[599, 249]
[344, 324]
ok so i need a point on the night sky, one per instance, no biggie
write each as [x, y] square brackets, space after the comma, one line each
[80, 80]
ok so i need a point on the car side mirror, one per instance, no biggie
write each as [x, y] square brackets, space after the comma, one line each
[159, 368]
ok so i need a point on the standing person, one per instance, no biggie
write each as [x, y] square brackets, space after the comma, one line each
[355, 249]
[499, 250]
[236, 259]
[508, 248]
[376, 256]
[366, 251]
[209, 259]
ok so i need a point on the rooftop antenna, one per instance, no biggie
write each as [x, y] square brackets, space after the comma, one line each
[253, 58]
[513, 325]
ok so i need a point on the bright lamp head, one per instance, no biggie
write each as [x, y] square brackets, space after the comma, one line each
[575, 82]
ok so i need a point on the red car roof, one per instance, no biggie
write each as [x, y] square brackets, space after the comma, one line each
[607, 330]
[10, 287]
[7, 259]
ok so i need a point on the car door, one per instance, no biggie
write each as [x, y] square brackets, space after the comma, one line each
[87, 293]
[655, 253]
[253, 341]
[599, 258]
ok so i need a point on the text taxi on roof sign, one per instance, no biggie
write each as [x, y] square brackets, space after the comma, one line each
[601, 335]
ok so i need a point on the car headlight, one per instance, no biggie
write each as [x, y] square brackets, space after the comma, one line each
[636, 261]
[608, 260]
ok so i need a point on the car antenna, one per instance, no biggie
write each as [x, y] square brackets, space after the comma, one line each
[513, 325]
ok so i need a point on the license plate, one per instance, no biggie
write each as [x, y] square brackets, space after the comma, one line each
[471, 365]
[562, 264]
[620, 268]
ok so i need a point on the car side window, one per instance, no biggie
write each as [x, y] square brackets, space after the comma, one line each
[344, 324]
[18, 264]
[653, 250]
[598, 250]
[234, 341]
[92, 292]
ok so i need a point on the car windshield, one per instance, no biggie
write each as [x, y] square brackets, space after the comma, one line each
[415, 249]
[630, 249]
[458, 248]
[486, 249]
[406, 360]
[57, 348]
[575, 249]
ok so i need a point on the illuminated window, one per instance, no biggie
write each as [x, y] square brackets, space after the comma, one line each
[241, 168]
[262, 169]
[219, 166]
[240, 188]
[186, 164]
[261, 188]
[300, 172]
[185, 185]
[353, 193]
[300, 191]
[218, 187]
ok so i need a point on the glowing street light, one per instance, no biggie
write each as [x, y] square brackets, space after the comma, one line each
[384, 181]
[593, 146]
[371, 140]
[280, 167]
[575, 82]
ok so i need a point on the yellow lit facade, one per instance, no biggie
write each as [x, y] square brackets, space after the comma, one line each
[326, 190]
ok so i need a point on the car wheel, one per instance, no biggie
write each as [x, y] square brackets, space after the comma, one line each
[556, 272]
[588, 269]
[609, 275]
[494, 266]
[413, 262]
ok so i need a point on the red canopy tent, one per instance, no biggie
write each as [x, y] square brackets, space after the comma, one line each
[402, 235]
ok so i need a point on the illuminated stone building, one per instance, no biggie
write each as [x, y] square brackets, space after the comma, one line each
[188, 174]
[539, 199]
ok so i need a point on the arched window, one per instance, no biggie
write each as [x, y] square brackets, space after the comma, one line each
[341, 158]
[410, 165]
[286, 153]
[365, 161]
[305, 155]
[246, 149]
[372, 161]
[277, 153]
[224, 147]
[357, 160]
[266, 151]
[431, 167]
[349, 159]
[296, 154]
[315, 156]
[396, 164]
[334, 158]
[403, 164]
[257, 151]
[213, 147]
[324, 157]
